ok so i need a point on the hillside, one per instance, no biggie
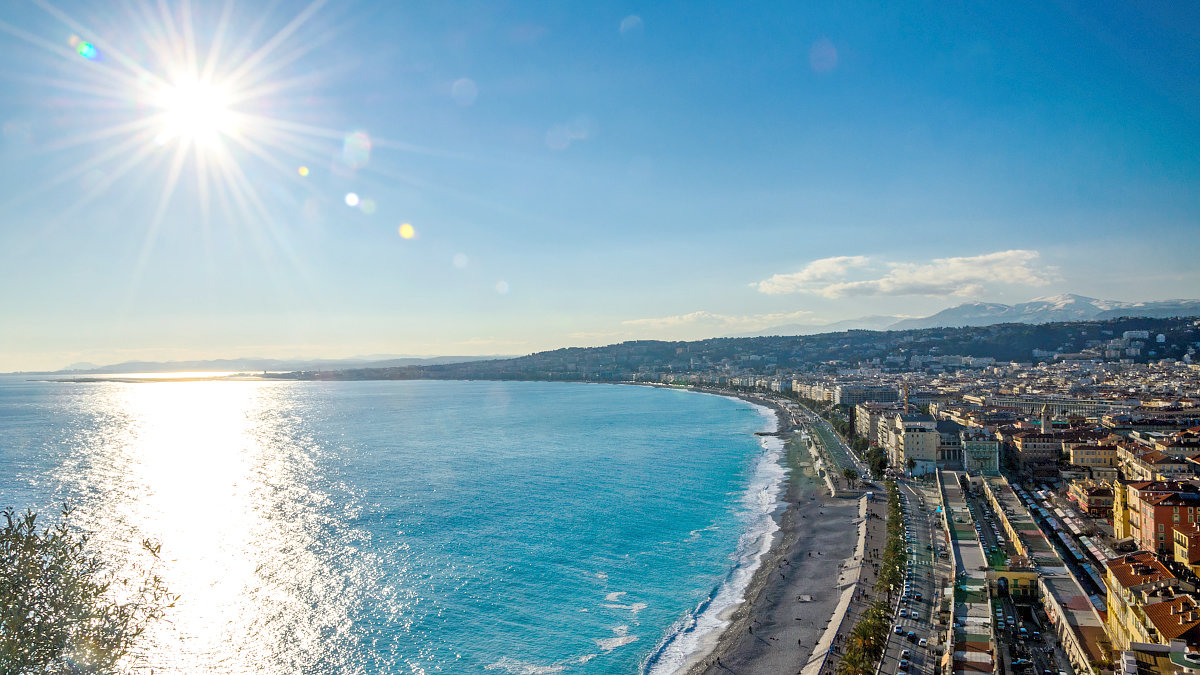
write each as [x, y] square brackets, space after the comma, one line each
[811, 353]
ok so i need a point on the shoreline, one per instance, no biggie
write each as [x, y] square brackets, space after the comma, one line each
[793, 594]
[685, 647]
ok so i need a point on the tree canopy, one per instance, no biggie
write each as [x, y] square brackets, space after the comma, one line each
[59, 606]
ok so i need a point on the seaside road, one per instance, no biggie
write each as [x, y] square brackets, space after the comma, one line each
[915, 616]
[776, 630]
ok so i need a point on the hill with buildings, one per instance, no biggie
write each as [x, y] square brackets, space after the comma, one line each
[1133, 340]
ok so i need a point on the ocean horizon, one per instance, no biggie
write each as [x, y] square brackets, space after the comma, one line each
[410, 526]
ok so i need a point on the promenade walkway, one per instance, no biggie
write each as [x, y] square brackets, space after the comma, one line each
[858, 577]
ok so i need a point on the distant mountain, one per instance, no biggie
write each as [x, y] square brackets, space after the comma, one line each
[275, 365]
[874, 322]
[1154, 310]
[1066, 307]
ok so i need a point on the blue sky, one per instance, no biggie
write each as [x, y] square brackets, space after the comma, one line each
[579, 174]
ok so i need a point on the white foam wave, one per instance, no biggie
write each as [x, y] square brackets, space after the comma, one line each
[694, 535]
[615, 596]
[634, 607]
[695, 635]
[515, 667]
[609, 644]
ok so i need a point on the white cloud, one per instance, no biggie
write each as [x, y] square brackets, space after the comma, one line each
[814, 274]
[718, 321]
[961, 276]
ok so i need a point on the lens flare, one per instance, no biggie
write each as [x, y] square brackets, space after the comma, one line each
[464, 91]
[303, 171]
[351, 199]
[407, 231]
[87, 50]
[356, 150]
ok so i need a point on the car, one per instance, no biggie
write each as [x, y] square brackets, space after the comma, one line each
[917, 595]
[1022, 662]
[904, 654]
[899, 630]
[923, 642]
[910, 636]
[903, 667]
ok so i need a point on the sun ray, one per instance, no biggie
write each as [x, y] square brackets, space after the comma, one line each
[174, 40]
[79, 170]
[111, 49]
[201, 162]
[269, 46]
[267, 69]
[91, 137]
[189, 38]
[258, 151]
[298, 82]
[169, 185]
[214, 50]
[168, 190]
[109, 92]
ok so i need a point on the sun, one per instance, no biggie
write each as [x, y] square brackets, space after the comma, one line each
[194, 111]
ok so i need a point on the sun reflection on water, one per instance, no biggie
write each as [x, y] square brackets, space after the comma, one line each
[220, 475]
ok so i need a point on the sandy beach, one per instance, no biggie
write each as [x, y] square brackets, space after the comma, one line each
[794, 593]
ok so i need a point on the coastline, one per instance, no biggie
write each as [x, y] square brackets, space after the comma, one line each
[792, 595]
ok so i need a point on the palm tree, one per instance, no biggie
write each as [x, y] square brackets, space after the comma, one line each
[854, 662]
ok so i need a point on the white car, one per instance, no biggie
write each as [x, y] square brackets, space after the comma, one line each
[924, 642]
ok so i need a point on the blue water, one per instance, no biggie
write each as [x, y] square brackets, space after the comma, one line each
[408, 527]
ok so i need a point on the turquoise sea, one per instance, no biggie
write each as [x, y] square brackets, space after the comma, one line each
[409, 527]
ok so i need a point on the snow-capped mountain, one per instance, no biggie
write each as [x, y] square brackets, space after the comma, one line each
[1066, 307]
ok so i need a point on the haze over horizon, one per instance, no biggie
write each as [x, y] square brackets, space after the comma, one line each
[332, 179]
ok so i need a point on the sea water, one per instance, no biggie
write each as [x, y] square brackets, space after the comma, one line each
[408, 527]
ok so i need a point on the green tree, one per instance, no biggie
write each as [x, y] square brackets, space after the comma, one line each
[855, 662]
[57, 608]
[850, 475]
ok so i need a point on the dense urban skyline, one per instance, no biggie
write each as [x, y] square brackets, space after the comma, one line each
[575, 175]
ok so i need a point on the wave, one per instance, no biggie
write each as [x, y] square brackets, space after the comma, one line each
[696, 633]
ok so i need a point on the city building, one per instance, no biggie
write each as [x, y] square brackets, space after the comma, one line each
[980, 452]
